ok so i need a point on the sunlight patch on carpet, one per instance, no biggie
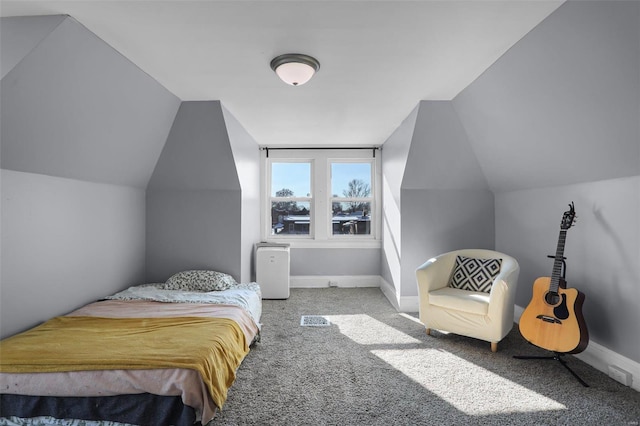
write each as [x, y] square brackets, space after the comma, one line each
[366, 330]
[314, 321]
[472, 389]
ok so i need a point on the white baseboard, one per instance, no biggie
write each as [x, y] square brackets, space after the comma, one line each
[403, 303]
[324, 281]
[409, 304]
[601, 358]
[390, 293]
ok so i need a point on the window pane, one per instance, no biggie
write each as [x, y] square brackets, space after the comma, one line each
[351, 180]
[351, 218]
[290, 217]
[291, 179]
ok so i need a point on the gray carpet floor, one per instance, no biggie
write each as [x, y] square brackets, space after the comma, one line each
[375, 366]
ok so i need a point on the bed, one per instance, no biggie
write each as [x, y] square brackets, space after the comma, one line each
[153, 354]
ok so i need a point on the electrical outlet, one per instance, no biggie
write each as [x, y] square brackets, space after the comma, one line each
[333, 283]
[620, 375]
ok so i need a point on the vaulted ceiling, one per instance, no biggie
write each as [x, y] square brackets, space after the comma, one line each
[378, 58]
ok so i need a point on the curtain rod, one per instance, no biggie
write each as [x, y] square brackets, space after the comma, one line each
[373, 148]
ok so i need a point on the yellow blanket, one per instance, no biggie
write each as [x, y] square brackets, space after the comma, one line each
[215, 347]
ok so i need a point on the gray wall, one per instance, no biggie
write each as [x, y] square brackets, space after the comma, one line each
[246, 155]
[194, 198]
[438, 221]
[65, 243]
[335, 261]
[602, 250]
[82, 129]
[192, 229]
[555, 120]
[395, 152]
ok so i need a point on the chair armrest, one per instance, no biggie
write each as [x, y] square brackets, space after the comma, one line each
[503, 293]
[433, 274]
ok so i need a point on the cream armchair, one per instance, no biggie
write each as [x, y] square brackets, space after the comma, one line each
[483, 315]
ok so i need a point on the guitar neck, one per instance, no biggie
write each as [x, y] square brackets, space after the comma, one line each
[557, 263]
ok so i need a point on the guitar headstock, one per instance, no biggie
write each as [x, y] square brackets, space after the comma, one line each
[569, 217]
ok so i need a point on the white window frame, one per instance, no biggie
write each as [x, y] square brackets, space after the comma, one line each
[321, 232]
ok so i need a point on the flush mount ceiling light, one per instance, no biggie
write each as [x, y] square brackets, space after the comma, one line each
[295, 68]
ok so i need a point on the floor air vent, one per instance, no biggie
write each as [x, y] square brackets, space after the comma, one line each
[314, 321]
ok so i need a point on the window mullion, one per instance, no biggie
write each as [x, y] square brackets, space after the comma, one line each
[320, 186]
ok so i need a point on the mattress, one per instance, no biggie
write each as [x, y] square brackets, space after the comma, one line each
[25, 393]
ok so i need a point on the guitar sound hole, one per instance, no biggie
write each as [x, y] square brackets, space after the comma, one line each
[552, 298]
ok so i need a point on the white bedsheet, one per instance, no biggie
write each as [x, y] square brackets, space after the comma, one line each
[246, 295]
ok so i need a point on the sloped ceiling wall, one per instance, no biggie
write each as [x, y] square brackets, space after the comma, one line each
[197, 155]
[73, 107]
[441, 156]
[561, 106]
[20, 35]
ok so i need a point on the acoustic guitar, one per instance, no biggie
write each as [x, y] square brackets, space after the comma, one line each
[553, 319]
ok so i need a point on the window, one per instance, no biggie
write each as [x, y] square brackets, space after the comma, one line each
[321, 196]
[290, 198]
[351, 198]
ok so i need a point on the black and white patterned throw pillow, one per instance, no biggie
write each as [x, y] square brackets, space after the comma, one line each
[475, 274]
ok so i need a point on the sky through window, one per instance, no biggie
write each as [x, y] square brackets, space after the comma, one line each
[297, 177]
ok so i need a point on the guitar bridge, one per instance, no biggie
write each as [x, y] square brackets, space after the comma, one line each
[547, 318]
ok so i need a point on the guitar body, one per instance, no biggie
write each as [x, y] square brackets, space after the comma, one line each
[553, 320]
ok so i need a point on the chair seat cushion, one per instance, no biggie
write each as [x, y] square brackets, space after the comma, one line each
[475, 302]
